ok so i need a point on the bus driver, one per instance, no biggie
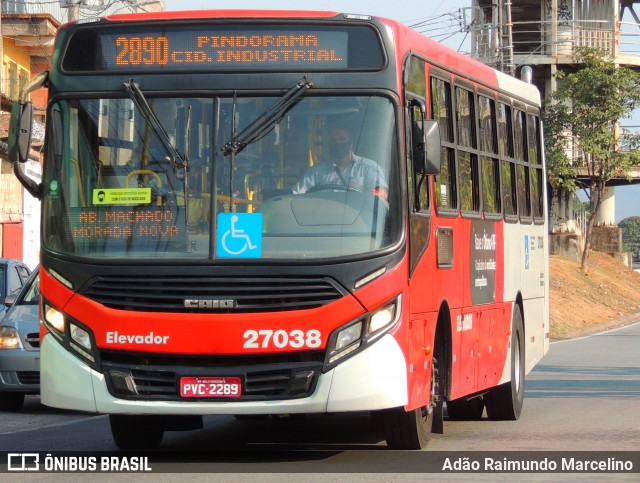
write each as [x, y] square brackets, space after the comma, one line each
[344, 168]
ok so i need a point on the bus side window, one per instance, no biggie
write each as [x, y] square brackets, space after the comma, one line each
[446, 197]
[468, 183]
[522, 175]
[489, 163]
[535, 165]
[507, 167]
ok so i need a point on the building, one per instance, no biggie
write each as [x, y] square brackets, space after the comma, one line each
[26, 48]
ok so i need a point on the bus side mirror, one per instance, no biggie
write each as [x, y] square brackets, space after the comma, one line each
[433, 149]
[426, 147]
[20, 126]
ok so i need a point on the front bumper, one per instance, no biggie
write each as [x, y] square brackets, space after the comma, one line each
[20, 371]
[373, 379]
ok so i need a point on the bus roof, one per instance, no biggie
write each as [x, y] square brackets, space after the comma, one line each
[431, 49]
[235, 13]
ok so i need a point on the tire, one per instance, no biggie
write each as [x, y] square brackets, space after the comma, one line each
[11, 401]
[407, 429]
[465, 410]
[411, 430]
[136, 432]
[504, 402]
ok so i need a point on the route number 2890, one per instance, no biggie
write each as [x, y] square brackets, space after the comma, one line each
[280, 339]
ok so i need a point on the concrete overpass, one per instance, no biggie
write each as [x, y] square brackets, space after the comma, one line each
[511, 34]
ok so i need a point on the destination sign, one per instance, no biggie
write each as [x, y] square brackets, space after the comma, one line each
[214, 47]
[265, 49]
[126, 224]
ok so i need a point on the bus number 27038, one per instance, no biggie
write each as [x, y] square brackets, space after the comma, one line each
[280, 339]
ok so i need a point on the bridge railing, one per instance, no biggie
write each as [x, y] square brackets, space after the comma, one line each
[535, 39]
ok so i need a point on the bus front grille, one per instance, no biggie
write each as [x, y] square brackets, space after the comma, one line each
[202, 294]
[157, 378]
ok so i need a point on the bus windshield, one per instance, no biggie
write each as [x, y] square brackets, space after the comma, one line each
[321, 181]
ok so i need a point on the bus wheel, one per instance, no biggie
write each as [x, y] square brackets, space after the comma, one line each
[412, 429]
[505, 401]
[465, 410]
[136, 432]
[407, 429]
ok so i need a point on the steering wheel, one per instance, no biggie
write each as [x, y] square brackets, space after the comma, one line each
[331, 187]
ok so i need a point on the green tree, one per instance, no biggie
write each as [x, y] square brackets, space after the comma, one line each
[631, 235]
[585, 109]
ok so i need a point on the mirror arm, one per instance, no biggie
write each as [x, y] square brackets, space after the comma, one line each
[34, 188]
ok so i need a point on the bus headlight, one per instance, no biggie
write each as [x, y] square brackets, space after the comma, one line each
[356, 335]
[347, 340]
[72, 335]
[382, 318]
[80, 335]
[54, 318]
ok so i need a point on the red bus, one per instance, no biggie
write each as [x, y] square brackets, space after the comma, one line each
[270, 212]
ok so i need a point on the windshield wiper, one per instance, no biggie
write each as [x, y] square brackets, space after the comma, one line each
[266, 121]
[138, 98]
[177, 160]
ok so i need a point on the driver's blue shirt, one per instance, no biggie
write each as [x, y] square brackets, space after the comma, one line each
[362, 174]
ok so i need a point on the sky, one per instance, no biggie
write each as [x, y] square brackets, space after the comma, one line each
[443, 12]
[439, 19]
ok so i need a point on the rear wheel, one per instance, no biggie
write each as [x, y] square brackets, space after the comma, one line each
[11, 401]
[505, 401]
[136, 432]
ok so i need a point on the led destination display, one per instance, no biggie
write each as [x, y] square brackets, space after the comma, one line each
[194, 47]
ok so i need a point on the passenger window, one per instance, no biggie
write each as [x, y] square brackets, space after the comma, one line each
[468, 184]
[535, 165]
[489, 164]
[445, 185]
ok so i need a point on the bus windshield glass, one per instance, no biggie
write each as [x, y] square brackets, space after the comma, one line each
[320, 182]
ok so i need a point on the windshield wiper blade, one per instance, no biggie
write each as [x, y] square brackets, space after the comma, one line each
[267, 120]
[138, 98]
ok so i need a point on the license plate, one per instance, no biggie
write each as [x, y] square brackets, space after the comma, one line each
[210, 387]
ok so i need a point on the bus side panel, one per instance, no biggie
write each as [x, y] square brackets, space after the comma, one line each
[525, 273]
[492, 350]
[421, 350]
[512, 278]
[534, 283]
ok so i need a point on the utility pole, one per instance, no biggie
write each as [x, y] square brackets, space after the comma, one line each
[74, 10]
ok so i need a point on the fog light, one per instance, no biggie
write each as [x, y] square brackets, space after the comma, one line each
[123, 382]
[300, 382]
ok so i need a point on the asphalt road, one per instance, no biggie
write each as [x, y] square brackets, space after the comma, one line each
[583, 396]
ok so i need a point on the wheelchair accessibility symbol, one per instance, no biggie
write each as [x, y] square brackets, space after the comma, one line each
[240, 235]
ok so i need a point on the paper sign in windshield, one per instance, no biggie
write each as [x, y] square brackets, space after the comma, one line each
[122, 196]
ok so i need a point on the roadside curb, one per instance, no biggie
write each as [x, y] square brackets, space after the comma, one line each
[604, 326]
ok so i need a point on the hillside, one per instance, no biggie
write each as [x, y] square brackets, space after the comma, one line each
[607, 297]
